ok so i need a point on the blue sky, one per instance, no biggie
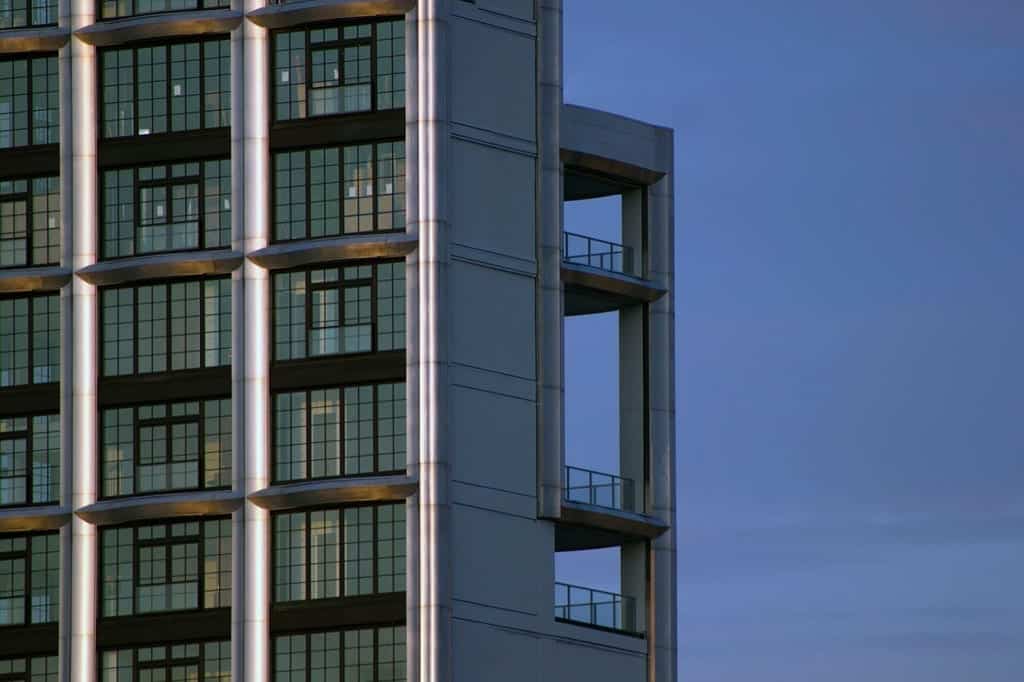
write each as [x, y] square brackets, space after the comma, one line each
[850, 259]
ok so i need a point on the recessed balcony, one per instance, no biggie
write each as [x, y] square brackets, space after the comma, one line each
[595, 608]
[599, 489]
[600, 276]
[578, 249]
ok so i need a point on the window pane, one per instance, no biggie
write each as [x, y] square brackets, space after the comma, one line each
[30, 357]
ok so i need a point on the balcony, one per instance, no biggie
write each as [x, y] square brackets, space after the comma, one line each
[599, 489]
[596, 608]
[578, 249]
[600, 276]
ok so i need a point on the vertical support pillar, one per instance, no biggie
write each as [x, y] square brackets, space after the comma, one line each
[431, 223]
[661, 416]
[83, 217]
[550, 328]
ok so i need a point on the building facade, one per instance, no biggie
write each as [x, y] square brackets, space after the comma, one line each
[282, 298]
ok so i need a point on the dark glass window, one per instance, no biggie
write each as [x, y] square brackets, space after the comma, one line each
[333, 191]
[26, 13]
[29, 578]
[179, 207]
[29, 340]
[165, 447]
[339, 310]
[34, 669]
[29, 459]
[345, 431]
[169, 566]
[357, 655]
[166, 88]
[114, 9]
[29, 222]
[339, 69]
[166, 327]
[188, 662]
[345, 552]
[29, 102]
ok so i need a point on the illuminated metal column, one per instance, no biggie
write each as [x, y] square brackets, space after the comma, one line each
[251, 322]
[84, 193]
[550, 328]
[430, 220]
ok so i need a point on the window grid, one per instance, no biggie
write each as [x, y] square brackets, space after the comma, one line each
[170, 566]
[29, 101]
[168, 447]
[339, 69]
[311, 442]
[29, 578]
[28, 13]
[177, 207]
[164, 327]
[29, 460]
[374, 654]
[172, 87]
[29, 222]
[29, 340]
[346, 552]
[180, 662]
[34, 669]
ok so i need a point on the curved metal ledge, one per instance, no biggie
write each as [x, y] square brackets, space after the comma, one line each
[335, 491]
[181, 264]
[30, 519]
[309, 252]
[170, 24]
[584, 526]
[22, 280]
[45, 39]
[307, 11]
[145, 507]
[589, 290]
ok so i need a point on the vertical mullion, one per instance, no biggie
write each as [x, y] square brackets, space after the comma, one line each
[201, 566]
[308, 305]
[30, 306]
[27, 617]
[376, 433]
[29, 92]
[307, 589]
[373, 66]
[29, 217]
[309, 195]
[135, 328]
[307, 450]
[200, 449]
[376, 554]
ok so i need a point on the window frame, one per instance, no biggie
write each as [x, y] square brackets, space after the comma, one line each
[341, 631]
[28, 674]
[31, 24]
[29, 58]
[32, 297]
[200, 6]
[27, 555]
[28, 197]
[28, 435]
[137, 667]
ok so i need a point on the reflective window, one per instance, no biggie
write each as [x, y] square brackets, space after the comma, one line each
[339, 69]
[29, 102]
[26, 13]
[188, 662]
[165, 88]
[177, 207]
[166, 327]
[345, 431]
[173, 566]
[339, 310]
[29, 340]
[29, 222]
[29, 459]
[34, 669]
[339, 190]
[113, 9]
[357, 655]
[29, 578]
[159, 448]
[345, 552]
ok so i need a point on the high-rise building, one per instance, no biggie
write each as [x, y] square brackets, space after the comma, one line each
[282, 301]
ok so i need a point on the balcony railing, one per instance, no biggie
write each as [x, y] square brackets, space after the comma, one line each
[595, 607]
[579, 249]
[599, 489]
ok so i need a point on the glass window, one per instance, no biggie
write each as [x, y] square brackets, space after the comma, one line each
[29, 340]
[180, 207]
[349, 431]
[339, 190]
[164, 447]
[345, 552]
[27, 13]
[351, 68]
[29, 578]
[172, 566]
[165, 88]
[29, 222]
[114, 9]
[355, 655]
[339, 310]
[166, 327]
[181, 662]
[29, 459]
[29, 102]
[34, 669]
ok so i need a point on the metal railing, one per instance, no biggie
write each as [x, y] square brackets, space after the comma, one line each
[579, 249]
[599, 489]
[595, 607]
